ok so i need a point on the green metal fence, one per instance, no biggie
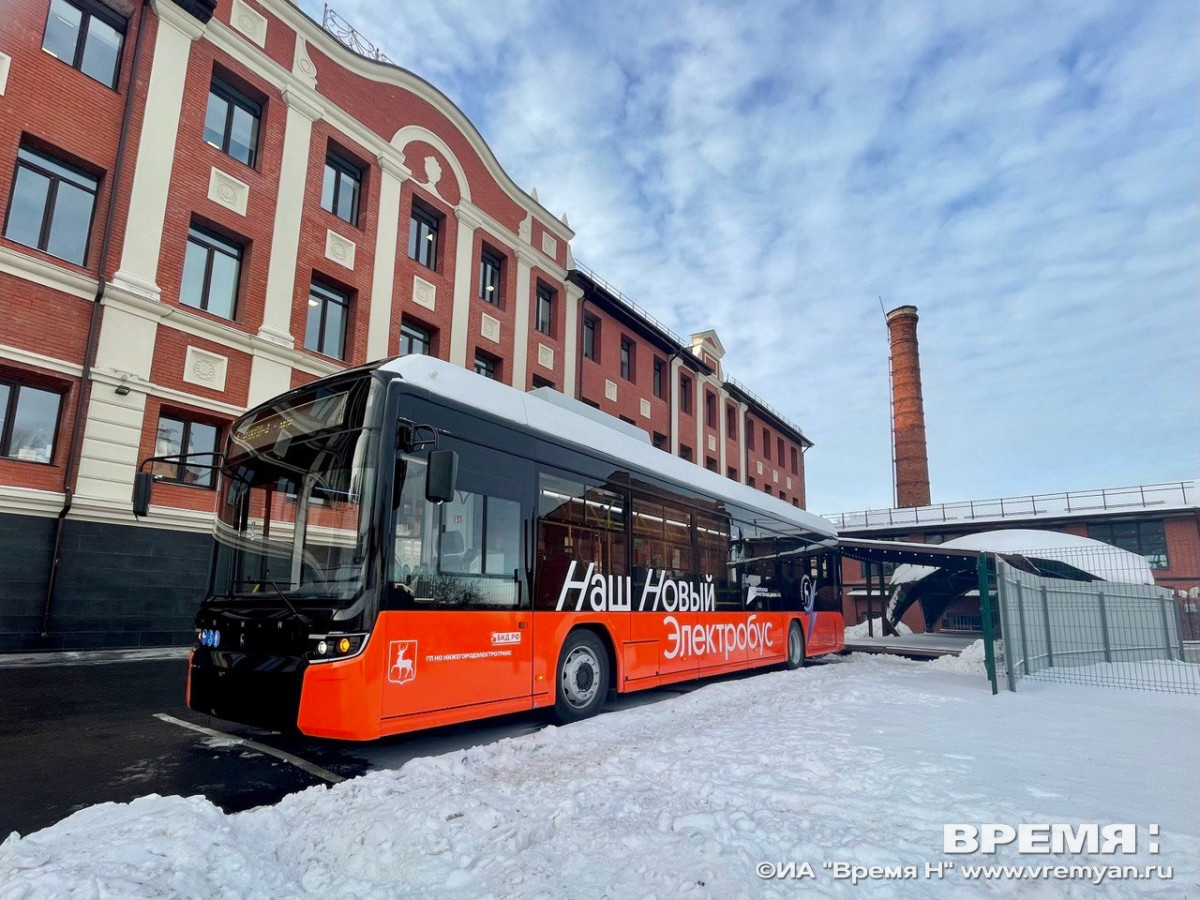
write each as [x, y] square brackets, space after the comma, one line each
[1096, 632]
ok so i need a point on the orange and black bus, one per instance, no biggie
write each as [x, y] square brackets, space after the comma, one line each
[409, 544]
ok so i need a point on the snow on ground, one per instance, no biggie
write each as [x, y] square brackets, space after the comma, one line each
[876, 622]
[972, 661]
[860, 761]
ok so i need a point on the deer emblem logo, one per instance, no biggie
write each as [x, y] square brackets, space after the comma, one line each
[404, 661]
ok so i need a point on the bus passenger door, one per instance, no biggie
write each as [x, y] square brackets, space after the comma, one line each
[460, 633]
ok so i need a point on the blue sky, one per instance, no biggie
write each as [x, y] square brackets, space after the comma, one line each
[1026, 174]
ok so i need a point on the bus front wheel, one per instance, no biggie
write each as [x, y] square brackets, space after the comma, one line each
[795, 646]
[583, 676]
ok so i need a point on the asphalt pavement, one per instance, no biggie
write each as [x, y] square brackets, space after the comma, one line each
[85, 729]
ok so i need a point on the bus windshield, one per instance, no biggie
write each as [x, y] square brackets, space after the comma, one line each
[293, 506]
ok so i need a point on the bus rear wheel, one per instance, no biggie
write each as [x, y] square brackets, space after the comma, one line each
[795, 646]
[582, 683]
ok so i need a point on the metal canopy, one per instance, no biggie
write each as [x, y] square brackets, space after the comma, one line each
[901, 552]
[898, 552]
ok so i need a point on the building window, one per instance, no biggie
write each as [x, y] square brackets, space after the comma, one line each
[51, 206]
[731, 422]
[750, 481]
[328, 312]
[1148, 539]
[710, 409]
[659, 368]
[766, 444]
[231, 122]
[211, 271]
[659, 440]
[30, 422]
[423, 236]
[749, 434]
[876, 571]
[795, 461]
[731, 472]
[779, 449]
[710, 464]
[685, 452]
[415, 340]
[627, 359]
[540, 382]
[545, 310]
[177, 437]
[685, 394]
[589, 338]
[486, 366]
[489, 277]
[86, 36]
[340, 188]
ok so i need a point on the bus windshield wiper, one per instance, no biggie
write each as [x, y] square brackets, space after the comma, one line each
[305, 620]
[286, 602]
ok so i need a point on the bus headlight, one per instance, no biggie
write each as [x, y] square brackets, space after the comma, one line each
[328, 647]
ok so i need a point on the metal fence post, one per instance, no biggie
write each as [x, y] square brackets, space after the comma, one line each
[1021, 625]
[1178, 609]
[985, 609]
[1104, 626]
[870, 603]
[1046, 623]
[1167, 644]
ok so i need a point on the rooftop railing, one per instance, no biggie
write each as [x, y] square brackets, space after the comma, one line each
[348, 35]
[642, 313]
[759, 401]
[1147, 496]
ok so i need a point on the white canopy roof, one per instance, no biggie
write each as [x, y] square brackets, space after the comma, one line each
[1097, 558]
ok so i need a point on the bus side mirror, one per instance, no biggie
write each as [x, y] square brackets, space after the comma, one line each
[143, 483]
[441, 476]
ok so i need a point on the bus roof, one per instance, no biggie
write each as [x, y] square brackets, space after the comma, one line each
[455, 383]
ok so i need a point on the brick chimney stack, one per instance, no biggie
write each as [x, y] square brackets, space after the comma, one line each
[908, 411]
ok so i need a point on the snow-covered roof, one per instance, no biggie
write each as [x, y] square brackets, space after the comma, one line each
[455, 383]
[1094, 557]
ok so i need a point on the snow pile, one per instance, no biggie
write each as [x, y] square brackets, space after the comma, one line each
[855, 632]
[970, 661]
[859, 761]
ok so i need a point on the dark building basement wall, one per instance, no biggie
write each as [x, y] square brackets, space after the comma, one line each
[119, 586]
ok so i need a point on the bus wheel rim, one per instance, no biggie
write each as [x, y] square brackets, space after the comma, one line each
[794, 645]
[580, 678]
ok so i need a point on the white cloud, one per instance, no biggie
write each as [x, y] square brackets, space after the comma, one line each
[1024, 174]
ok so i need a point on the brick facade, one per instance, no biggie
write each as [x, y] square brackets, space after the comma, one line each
[155, 355]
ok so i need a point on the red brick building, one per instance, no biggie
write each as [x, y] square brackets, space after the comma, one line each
[212, 202]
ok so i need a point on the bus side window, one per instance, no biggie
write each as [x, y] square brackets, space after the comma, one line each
[716, 557]
[460, 554]
[481, 535]
[580, 526]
